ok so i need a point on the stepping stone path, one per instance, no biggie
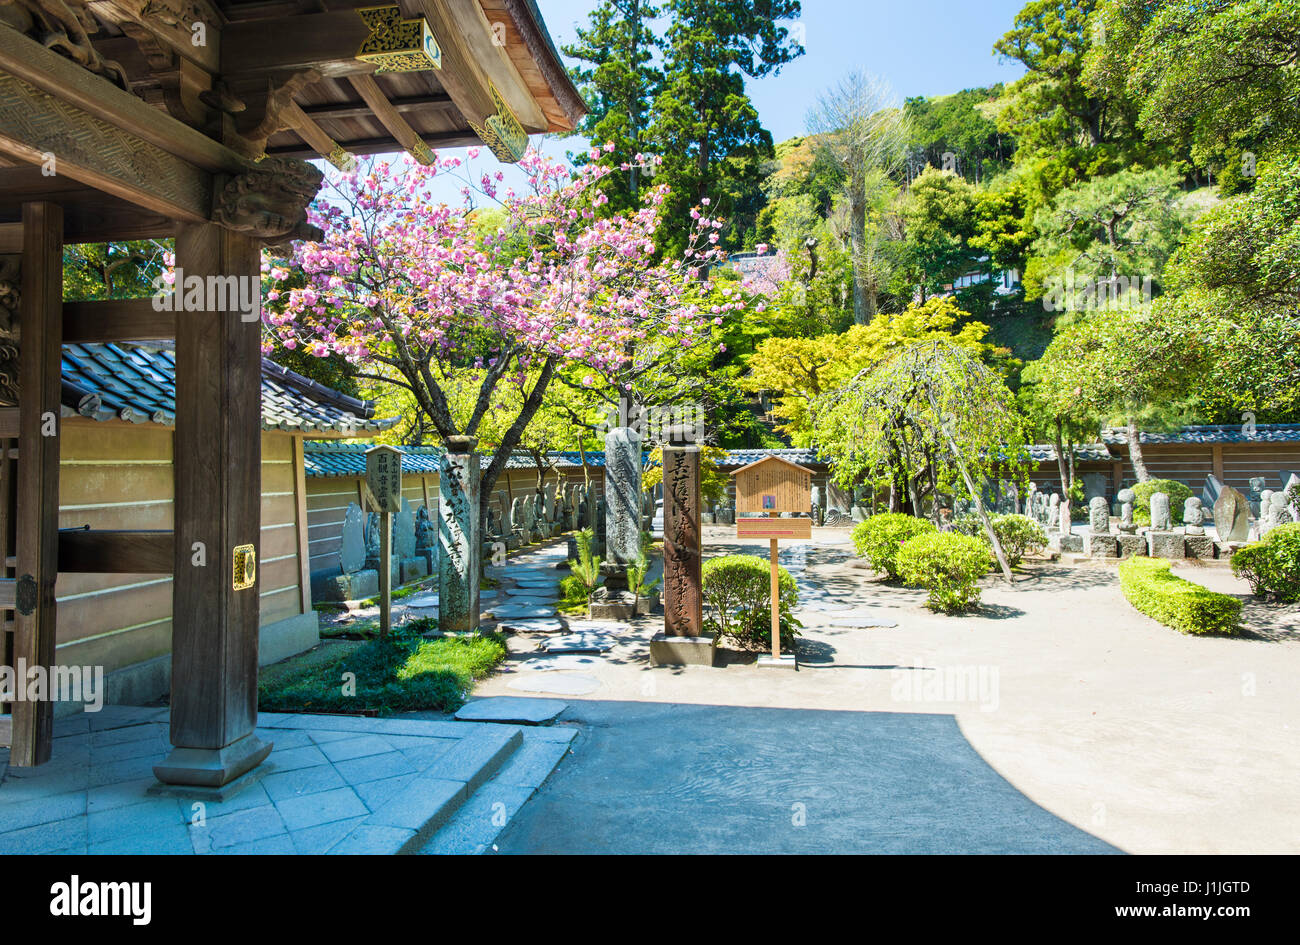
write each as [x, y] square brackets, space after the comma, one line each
[582, 642]
[826, 606]
[521, 598]
[514, 611]
[533, 625]
[863, 620]
[562, 684]
[599, 627]
[542, 664]
[512, 711]
[420, 602]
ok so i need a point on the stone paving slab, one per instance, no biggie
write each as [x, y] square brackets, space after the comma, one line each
[508, 611]
[581, 642]
[332, 784]
[863, 621]
[519, 711]
[560, 684]
[546, 662]
[533, 625]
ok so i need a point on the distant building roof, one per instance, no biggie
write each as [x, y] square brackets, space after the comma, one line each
[1212, 433]
[326, 458]
[137, 383]
[1046, 452]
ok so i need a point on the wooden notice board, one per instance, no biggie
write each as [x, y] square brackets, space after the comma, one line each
[771, 486]
[798, 529]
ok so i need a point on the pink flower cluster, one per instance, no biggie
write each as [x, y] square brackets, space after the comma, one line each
[555, 279]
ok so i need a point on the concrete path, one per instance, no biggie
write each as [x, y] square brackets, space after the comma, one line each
[1057, 707]
[333, 784]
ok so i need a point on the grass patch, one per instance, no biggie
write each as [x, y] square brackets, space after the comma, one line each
[396, 675]
[1188, 608]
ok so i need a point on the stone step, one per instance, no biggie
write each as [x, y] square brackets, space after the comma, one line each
[476, 824]
[404, 823]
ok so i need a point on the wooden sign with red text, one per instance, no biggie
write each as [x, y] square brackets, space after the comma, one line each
[799, 529]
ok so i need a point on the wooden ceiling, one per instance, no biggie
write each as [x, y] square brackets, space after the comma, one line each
[283, 77]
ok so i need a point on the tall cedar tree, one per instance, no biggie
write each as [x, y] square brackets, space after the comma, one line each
[704, 124]
[620, 81]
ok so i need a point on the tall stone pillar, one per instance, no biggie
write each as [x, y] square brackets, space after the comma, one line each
[458, 536]
[217, 522]
[622, 504]
[683, 598]
[682, 640]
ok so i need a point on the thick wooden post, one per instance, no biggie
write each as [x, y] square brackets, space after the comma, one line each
[776, 597]
[37, 526]
[217, 456]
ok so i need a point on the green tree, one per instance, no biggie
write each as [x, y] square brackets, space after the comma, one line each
[705, 127]
[939, 221]
[955, 125]
[620, 80]
[1216, 76]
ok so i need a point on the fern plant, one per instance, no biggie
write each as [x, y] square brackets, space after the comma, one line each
[587, 567]
[638, 570]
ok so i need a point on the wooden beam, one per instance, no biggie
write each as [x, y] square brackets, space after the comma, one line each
[327, 42]
[460, 75]
[447, 139]
[29, 63]
[112, 320]
[6, 731]
[217, 468]
[89, 215]
[8, 424]
[307, 129]
[8, 593]
[412, 103]
[36, 537]
[489, 54]
[390, 118]
[35, 125]
[304, 545]
[104, 551]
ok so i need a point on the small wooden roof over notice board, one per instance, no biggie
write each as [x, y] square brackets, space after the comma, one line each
[773, 484]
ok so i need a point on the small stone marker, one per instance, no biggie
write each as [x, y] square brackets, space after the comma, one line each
[1231, 515]
[511, 710]
[352, 554]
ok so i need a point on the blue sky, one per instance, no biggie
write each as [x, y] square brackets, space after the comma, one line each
[921, 47]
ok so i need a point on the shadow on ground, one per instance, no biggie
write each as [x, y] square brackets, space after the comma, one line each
[664, 778]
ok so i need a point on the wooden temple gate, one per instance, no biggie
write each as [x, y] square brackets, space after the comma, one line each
[117, 123]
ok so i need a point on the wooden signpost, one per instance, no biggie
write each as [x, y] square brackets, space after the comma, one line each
[768, 487]
[383, 492]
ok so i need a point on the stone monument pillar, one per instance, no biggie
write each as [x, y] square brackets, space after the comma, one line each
[683, 599]
[622, 504]
[458, 538]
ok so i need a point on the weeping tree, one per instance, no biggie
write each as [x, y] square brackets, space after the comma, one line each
[919, 409]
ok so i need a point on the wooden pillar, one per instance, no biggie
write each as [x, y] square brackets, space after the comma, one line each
[299, 460]
[1216, 460]
[217, 450]
[37, 520]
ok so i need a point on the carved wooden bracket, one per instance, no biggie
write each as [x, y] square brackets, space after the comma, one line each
[270, 201]
[63, 27]
[10, 296]
[502, 132]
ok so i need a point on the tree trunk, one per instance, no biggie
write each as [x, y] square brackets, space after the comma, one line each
[857, 248]
[1135, 451]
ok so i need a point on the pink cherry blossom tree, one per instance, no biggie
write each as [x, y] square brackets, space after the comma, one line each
[419, 294]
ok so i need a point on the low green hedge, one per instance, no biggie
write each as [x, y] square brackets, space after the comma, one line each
[1153, 589]
[948, 565]
[1272, 566]
[878, 538]
[738, 594]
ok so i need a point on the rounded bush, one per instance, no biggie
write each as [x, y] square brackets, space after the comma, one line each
[737, 592]
[1188, 608]
[948, 565]
[1272, 567]
[879, 538]
[1177, 492]
[1017, 534]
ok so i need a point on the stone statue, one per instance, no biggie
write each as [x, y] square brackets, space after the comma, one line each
[1064, 517]
[1275, 513]
[1160, 518]
[1193, 516]
[425, 535]
[372, 540]
[1054, 511]
[1126, 499]
[1099, 515]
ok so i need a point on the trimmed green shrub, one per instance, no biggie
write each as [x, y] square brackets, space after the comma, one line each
[1177, 492]
[1017, 534]
[738, 594]
[948, 565]
[1153, 589]
[879, 538]
[1272, 566]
